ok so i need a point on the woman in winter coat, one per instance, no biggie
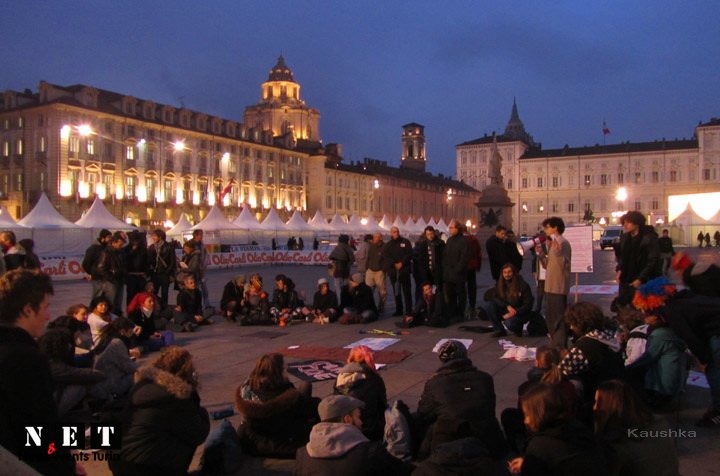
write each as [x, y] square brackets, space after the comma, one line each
[277, 416]
[113, 356]
[190, 264]
[342, 257]
[360, 379]
[627, 432]
[559, 445]
[165, 422]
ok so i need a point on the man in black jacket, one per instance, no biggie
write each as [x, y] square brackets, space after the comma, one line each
[162, 262]
[357, 302]
[458, 401]
[92, 255]
[429, 259]
[638, 256]
[397, 254]
[110, 267]
[455, 264]
[337, 445]
[26, 387]
[497, 251]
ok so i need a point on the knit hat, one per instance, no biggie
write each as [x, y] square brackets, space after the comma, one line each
[337, 406]
[653, 294]
[357, 278]
[452, 350]
[322, 281]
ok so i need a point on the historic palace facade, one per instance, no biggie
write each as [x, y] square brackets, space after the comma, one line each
[597, 182]
[149, 162]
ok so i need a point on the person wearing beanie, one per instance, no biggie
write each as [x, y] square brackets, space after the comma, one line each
[458, 401]
[702, 277]
[324, 309]
[357, 302]
[337, 445]
[696, 320]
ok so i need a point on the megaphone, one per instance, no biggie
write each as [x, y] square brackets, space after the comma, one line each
[531, 243]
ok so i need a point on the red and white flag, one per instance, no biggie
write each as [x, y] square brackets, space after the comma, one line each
[605, 129]
[227, 188]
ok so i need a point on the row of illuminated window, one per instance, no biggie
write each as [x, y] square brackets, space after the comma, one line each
[18, 182]
[539, 207]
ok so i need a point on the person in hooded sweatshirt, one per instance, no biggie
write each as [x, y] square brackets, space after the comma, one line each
[559, 445]
[164, 422]
[360, 379]
[337, 445]
[638, 256]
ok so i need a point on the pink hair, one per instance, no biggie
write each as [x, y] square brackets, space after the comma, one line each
[138, 300]
[363, 354]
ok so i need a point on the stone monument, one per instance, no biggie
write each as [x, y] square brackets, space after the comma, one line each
[494, 205]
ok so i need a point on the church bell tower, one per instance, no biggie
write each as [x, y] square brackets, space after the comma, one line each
[413, 147]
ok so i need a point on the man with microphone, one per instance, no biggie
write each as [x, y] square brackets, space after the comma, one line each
[556, 262]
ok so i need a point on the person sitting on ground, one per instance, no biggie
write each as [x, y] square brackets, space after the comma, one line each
[189, 310]
[165, 421]
[633, 333]
[78, 311]
[511, 307]
[286, 305]
[428, 309]
[144, 317]
[337, 445]
[595, 356]
[621, 421]
[279, 284]
[81, 336]
[559, 444]
[546, 369]
[357, 302]
[232, 297]
[100, 316]
[277, 416]
[360, 379]
[114, 356]
[256, 308]
[458, 401]
[72, 384]
[325, 304]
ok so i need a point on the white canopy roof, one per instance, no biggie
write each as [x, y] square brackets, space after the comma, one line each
[296, 223]
[318, 222]
[431, 222]
[420, 225]
[399, 223]
[182, 225]
[98, 217]
[385, 223]
[44, 216]
[442, 226]
[373, 225]
[6, 221]
[214, 221]
[409, 226]
[272, 222]
[337, 223]
[247, 220]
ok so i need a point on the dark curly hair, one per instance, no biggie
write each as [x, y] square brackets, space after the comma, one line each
[57, 345]
[585, 317]
[177, 361]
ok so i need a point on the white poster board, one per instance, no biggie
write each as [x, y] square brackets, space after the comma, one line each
[580, 238]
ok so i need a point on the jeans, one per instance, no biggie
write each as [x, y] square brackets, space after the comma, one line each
[377, 279]
[514, 324]
[204, 292]
[454, 294]
[161, 282]
[400, 283]
[339, 283]
[472, 290]
[712, 371]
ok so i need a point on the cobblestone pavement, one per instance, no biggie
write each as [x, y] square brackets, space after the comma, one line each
[225, 353]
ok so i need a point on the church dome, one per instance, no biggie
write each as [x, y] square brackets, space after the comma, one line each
[280, 71]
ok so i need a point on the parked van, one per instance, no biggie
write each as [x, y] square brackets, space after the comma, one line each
[610, 236]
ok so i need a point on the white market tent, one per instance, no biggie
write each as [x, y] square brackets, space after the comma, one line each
[442, 226]
[7, 222]
[410, 227]
[420, 225]
[319, 224]
[385, 223]
[297, 224]
[431, 222]
[218, 230]
[399, 223]
[52, 233]
[98, 217]
[182, 225]
[338, 224]
[373, 225]
[247, 220]
[272, 222]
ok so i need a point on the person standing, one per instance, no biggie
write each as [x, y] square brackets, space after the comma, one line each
[342, 256]
[397, 254]
[375, 269]
[136, 259]
[361, 254]
[162, 263]
[497, 251]
[26, 398]
[197, 239]
[639, 256]
[666, 251]
[455, 263]
[92, 254]
[513, 254]
[111, 268]
[707, 240]
[556, 262]
[429, 259]
[716, 237]
[474, 265]
[700, 238]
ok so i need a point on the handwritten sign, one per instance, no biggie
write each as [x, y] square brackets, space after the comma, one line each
[580, 238]
[315, 370]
